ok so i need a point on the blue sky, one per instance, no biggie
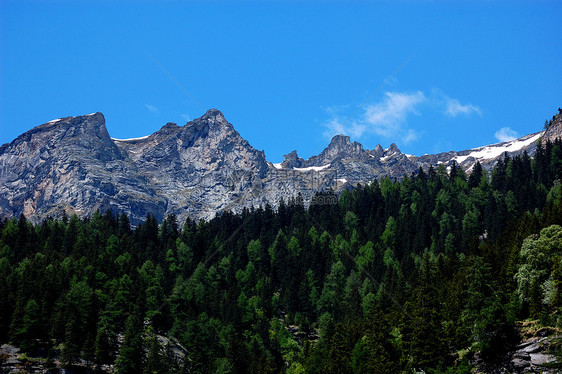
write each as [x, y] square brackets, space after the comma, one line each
[430, 76]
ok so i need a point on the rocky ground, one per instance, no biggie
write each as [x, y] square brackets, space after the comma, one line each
[536, 353]
[13, 360]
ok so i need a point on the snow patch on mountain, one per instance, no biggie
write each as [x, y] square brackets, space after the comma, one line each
[312, 168]
[130, 139]
[386, 158]
[493, 151]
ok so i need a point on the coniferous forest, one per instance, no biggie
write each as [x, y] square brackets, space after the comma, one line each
[395, 276]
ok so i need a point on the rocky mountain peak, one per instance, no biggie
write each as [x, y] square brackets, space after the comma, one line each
[292, 160]
[377, 152]
[168, 129]
[89, 124]
[340, 140]
[341, 146]
[169, 125]
[72, 165]
[393, 148]
[80, 132]
[212, 122]
[214, 115]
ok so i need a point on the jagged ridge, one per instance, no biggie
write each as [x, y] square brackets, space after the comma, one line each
[72, 165]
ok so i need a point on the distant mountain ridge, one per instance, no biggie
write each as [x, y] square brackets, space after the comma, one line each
[72, 165]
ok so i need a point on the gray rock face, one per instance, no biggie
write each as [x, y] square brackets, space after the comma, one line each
[72, 165]
[200, 168]
[554, 129]
[532, 357]
[292, 160]
[536, 352]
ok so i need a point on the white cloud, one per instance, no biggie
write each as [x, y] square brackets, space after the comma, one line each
[506, 134]
[386, 118]
[389, 117]
[335, 127]
[453, 108]
[185, 117]
[410, 136]
[152, 108]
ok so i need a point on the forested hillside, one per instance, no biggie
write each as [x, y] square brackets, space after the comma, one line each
[418, 274]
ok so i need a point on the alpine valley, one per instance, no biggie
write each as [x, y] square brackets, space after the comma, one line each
[353, 261]
[72, 165]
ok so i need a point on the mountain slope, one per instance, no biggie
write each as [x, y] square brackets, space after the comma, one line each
[72, 165]
[193, 167]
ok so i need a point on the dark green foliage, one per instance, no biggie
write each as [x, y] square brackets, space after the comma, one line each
[376, 351]
[398, 275]
[131, 355]
[156, 362]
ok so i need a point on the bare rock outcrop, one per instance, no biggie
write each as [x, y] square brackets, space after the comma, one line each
[71, 165]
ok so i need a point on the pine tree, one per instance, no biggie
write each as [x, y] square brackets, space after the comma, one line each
[339, 352]
[131, 354]
[154, 362]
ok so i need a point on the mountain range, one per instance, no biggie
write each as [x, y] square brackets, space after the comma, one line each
[72, 166]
